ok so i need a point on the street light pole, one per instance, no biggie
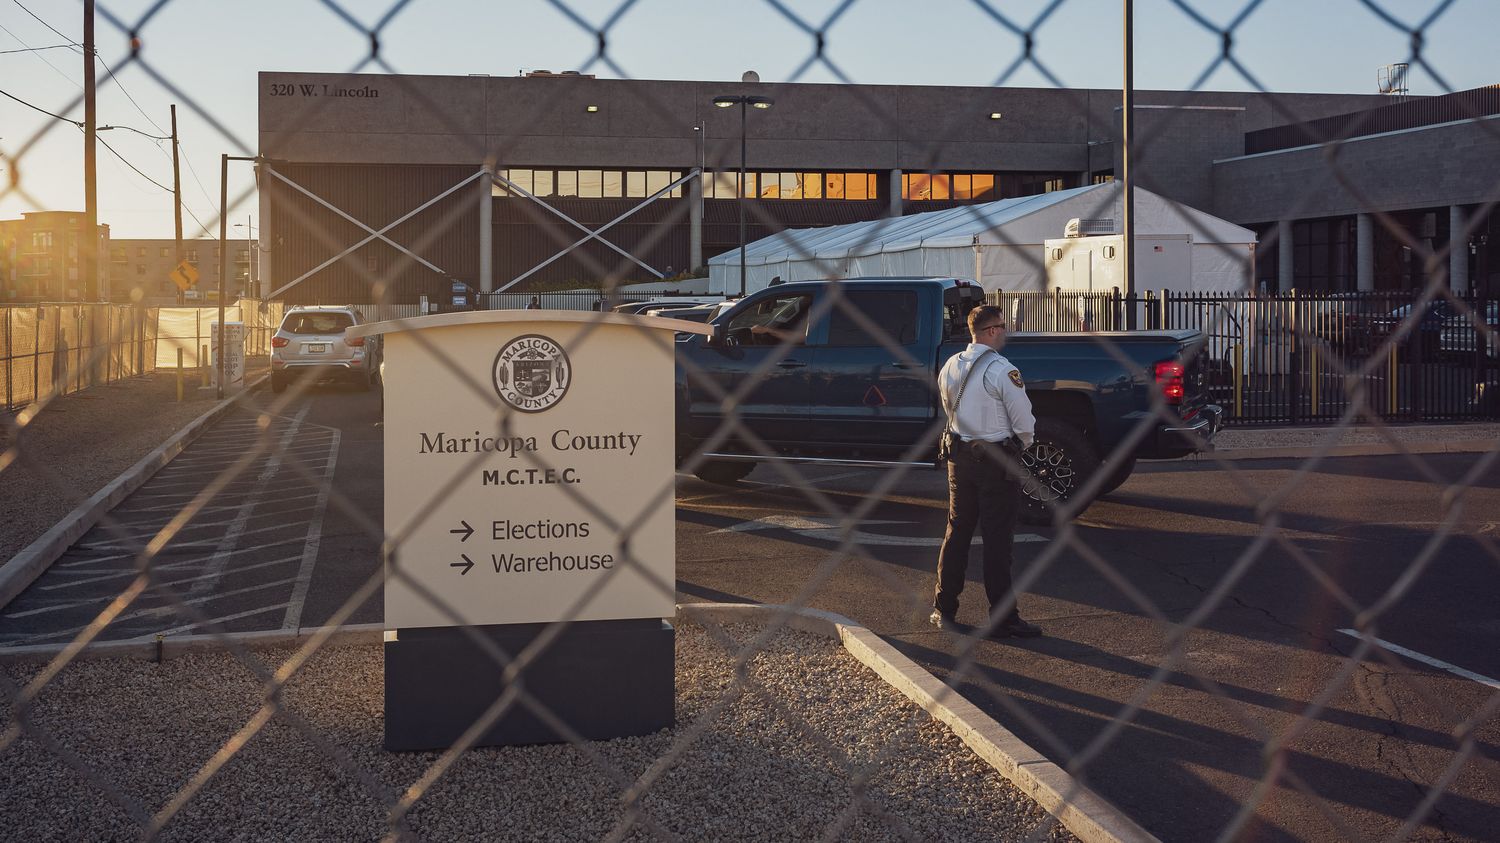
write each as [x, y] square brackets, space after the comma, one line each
[744, 102]
[744, 188]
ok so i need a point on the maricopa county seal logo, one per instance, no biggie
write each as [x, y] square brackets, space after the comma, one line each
[532, 373]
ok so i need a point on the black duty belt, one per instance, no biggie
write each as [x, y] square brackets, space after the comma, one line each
[1010, 444]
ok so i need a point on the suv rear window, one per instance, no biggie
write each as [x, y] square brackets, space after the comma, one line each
[317, 323]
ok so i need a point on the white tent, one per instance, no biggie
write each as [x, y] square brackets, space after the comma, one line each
[1000, 244]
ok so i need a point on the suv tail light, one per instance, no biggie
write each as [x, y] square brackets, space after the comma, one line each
[1169, 379]
[278, 342]
[354, 341]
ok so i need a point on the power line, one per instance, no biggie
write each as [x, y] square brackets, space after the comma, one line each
[132, 166]
[54, 29]
[36, 49]
[43, 58]
[39, 108]
[121, 86]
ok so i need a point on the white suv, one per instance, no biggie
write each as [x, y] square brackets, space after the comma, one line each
[311, 343]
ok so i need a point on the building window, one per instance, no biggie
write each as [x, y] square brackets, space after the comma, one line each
[140, 269]
[118, 256]
[978, 187]
[191, 256]
[1103, 178]
[140, 251]
[163, 252]
[41, 240]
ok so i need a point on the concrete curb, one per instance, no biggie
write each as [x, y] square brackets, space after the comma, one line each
[1083, 812]
[1358, 449]
[34, 560]
[176, 646]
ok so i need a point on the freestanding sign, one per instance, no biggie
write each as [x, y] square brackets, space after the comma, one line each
[529, 458]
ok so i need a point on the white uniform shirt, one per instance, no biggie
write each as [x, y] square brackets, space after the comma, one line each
[994, 405]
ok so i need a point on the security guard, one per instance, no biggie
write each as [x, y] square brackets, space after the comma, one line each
[991, 415]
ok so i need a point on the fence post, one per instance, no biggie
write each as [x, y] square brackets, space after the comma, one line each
[203, 365]
[10, 360]
[1166, 311]
[1153, 316]
[36, 354]
[1294, 358]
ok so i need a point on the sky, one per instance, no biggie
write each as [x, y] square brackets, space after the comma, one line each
[211, 50]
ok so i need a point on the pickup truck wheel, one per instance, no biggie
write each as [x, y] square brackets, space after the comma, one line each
[1119, 472]
[1060, 460]
[723, 472]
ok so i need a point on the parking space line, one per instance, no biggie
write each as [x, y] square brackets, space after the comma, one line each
[1429, 660]
[104, 598]
[154, 611]
[313, 542]
[237, 526]
[91, 577]
[234, 617]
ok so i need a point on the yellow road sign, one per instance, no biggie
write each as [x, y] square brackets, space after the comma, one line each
[184, 276]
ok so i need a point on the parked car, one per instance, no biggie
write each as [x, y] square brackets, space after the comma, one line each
[1460, 334]
[1377, 329]
[311, 343]
[697, 313]
[841, 396]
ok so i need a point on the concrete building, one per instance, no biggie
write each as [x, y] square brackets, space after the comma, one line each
[418, 181]
[39, 257]
[145, 263]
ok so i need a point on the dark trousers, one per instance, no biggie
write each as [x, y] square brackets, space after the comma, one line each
[982, 491]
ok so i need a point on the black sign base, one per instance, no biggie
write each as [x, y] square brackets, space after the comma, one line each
[605, 679]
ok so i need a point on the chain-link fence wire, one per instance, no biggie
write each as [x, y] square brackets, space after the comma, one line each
[824, 44]
[64, 348]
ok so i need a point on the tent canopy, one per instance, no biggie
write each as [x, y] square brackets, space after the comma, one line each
[997, 243]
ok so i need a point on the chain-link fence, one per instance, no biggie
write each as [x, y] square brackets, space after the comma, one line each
[61, 348]
[800, 376]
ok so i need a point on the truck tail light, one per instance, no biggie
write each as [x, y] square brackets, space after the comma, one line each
[1169, 375]
[278, 342]
[355, 341]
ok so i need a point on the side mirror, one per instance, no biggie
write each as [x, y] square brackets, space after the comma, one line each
[721, 331]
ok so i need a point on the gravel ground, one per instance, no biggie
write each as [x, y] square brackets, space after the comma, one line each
[87, 439]
[771, 766]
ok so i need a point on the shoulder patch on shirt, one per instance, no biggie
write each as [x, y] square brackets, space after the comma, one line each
[1015, 378]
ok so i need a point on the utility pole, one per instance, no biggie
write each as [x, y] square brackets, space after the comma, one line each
[1126, 134]
[176, 194]
[88, 254]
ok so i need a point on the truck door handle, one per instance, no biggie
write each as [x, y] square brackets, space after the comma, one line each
[900, 365]
[791, 364]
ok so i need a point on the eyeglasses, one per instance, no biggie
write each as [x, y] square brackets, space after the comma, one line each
[997, 325]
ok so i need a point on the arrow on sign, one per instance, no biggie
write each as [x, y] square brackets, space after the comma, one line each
[467, 531]
[466, 564]
[829, 530]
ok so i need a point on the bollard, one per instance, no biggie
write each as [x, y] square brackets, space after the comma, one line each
[1390, 380]
[1239, 381]
[1315, 378]
[203, 366]
[179, 376]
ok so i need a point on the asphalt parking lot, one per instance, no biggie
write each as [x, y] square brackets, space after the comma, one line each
[1187, 630]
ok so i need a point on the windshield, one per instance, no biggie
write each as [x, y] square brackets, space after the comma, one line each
[317, 323]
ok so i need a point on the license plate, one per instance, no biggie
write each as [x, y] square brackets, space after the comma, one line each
[315, 347]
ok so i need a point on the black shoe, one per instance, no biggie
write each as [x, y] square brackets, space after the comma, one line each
[1017, 628]
[944, 621]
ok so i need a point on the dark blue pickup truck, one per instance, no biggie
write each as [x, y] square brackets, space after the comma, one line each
[845, 373]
